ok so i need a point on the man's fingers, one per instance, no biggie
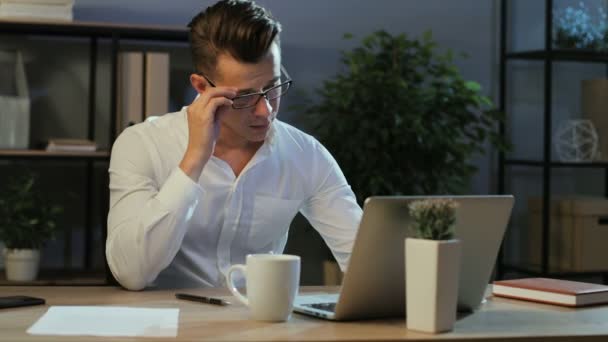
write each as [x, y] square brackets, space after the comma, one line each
[217, 102]
[211, 93]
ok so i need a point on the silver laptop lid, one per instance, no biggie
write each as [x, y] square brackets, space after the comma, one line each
[374, 284]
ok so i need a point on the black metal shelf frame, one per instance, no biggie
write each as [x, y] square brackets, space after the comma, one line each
[558, 274]
[95, 32]
[560, 55]
[554, 164]
[547, 56]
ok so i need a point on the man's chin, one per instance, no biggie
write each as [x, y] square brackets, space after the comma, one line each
[257, 138]
[258, 133]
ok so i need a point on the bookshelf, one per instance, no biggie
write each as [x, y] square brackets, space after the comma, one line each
[546, 59]
[99, 38]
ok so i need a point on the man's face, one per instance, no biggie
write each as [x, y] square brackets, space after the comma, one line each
[249, 124]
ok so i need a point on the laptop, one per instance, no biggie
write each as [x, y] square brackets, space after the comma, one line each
[374, 283]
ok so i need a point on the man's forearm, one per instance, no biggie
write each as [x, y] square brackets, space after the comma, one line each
[139, 249]
[145, 232]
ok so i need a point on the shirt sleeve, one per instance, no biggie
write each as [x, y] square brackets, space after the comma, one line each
[147, 221]
[332, 208]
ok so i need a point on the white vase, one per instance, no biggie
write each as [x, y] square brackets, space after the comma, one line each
[21, 264]
[431, 288]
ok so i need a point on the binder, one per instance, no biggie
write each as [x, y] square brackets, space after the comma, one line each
[129, 97]
[156, 84]
[143, 87]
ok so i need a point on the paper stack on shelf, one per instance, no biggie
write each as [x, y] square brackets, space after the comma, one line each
[71, 145]
[60, 10]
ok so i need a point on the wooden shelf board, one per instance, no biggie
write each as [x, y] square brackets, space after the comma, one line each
[59, 278]
[62, 154]
[94, 29]
[96, 24]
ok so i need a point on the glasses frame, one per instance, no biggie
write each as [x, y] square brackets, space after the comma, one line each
[260, 94]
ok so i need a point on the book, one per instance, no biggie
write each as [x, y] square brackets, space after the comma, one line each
[41, 2]
[129, 97]
[156, 83]
[71, 145]
[143, 87]
[552, 291]
[33, 10]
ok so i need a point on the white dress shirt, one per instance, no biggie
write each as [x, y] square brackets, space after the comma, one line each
[168, 231]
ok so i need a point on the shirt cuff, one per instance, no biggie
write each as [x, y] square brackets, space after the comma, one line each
[179, 191]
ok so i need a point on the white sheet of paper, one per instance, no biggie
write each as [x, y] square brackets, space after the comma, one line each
[107, 321]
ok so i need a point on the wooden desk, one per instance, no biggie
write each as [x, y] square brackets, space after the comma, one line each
[497, 320]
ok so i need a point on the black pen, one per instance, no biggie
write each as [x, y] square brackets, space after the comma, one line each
[201, 299]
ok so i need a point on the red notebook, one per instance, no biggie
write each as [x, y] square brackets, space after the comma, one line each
[552, 291]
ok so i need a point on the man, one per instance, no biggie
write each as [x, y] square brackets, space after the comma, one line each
[197, 190]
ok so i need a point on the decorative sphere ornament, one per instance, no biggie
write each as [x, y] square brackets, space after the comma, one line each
[576, 141]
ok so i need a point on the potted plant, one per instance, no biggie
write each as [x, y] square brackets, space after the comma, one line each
[400, 119]
[27, 222]
[580, 28]
[432, 266]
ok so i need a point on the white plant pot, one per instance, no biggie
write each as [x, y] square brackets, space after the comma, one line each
[21, 264]
[431, 287]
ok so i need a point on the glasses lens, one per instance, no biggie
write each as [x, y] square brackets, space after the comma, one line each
[252, 100]
[278, 91]
[245, 101]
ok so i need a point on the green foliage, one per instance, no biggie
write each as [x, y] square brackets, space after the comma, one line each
[580, 28]
[402, 120]
[26, 219]
[434, 219]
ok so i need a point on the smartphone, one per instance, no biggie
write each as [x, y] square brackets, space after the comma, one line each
[16, 301]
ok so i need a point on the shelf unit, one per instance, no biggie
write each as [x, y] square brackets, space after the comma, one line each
[94, 32]
[547, 56]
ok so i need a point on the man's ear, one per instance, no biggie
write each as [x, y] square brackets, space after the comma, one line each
[198, 82]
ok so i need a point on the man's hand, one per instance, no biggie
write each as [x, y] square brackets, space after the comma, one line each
[203, 128]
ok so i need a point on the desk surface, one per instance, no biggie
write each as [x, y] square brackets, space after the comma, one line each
[497, 319]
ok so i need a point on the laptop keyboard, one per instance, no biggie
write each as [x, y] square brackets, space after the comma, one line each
[331, 307]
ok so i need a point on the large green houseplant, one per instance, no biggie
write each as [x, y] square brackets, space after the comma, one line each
[27, 222]
[401, 119]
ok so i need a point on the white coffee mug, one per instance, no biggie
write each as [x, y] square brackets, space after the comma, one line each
[272, 282]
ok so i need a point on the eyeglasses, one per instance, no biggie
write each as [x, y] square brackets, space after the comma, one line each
[252, 99]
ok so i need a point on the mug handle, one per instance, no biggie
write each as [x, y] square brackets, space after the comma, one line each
[231, 286]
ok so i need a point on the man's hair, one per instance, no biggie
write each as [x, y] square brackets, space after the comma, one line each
[240, 28]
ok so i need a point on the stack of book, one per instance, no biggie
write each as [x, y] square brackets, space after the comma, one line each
[59, 10]
[143, 86]
[552, 291]
[71, 145]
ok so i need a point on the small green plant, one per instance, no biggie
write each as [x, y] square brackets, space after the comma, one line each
[434, 219]
[27, 221]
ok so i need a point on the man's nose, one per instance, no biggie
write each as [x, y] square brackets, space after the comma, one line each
[263, 107]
